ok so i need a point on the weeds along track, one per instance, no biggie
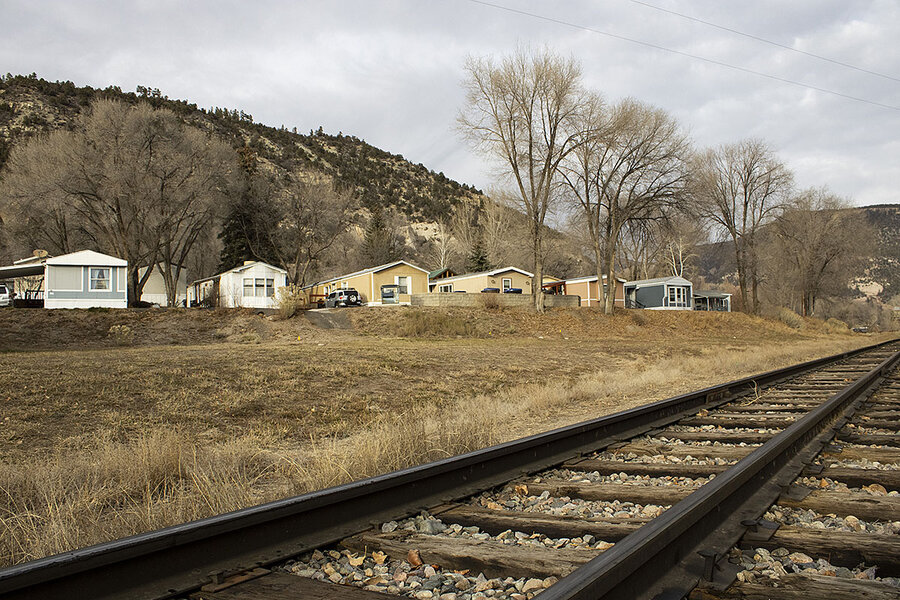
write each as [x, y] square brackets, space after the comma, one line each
[780, 485]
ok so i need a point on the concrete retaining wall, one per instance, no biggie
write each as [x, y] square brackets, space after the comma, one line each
[491, 300]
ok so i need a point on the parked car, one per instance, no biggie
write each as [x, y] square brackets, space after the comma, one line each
[512, 291]
[5, 295]
[344, 297]
[490, 291]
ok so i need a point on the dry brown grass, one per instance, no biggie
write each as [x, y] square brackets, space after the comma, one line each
[176, 463]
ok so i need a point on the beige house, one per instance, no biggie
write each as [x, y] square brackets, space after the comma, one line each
[586, 288]
[391, 283]
[502, 279]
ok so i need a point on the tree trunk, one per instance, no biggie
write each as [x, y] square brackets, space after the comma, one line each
[537, 283]
[742, 275]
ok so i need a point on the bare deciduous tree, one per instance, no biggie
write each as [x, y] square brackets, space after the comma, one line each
[739, 188]
[814, 246]
[309, 218]
[131, 181]
[518, 111]
[629, 164]
[442, 245]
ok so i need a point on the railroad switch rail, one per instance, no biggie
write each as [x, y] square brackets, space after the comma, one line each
[755, 436]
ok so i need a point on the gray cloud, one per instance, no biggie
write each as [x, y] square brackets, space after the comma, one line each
[390, 71]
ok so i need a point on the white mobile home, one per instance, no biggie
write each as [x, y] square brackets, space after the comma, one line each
[251, 285]
[84, 279]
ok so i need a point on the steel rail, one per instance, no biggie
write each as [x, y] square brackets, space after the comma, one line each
[177, 559]
[666, 558]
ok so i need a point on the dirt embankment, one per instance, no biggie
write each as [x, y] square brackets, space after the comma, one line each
[33, 329]
[38, 329]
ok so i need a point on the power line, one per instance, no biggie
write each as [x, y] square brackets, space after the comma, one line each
[686, 54]
[766, 41]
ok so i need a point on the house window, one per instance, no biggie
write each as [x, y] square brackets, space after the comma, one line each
[260, 287]
[99, 278]
[403, 284]
[447, 287]
[507, 283]
[344, 285]
[270, 288]
[248, 288]
[677, 296]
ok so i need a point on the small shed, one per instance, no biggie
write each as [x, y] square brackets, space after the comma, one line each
[251, 285]
[712, 301]
[587, 289]
[662, 293]
[83, 279]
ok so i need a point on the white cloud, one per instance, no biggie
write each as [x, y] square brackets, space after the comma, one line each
[389, 72]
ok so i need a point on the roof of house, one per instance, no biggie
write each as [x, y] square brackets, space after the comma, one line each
[87, 258]
[365, 271]
[649, 282]
[240, 268]
[710, 294]
[439, 272]
[590, 278]
[490, 273]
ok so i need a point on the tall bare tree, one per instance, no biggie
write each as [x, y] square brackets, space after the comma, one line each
[518, 112]
[309, 218]
[816, 242]
[442, 246]
[629, 164]
[739, 188]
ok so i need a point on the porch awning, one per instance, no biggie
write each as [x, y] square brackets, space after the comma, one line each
[13, 271]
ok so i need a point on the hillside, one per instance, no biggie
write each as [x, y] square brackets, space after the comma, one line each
[30, 105]
[714, 262]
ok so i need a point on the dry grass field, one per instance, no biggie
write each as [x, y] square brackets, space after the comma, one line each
[200, 412]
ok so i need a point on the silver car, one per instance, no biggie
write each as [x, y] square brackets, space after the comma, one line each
[5, 295]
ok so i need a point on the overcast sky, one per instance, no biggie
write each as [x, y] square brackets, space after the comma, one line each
[389, 72]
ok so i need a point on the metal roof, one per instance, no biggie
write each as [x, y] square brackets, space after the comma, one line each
[14, 271]
[711, 294]
[670, 279]
[87, 258]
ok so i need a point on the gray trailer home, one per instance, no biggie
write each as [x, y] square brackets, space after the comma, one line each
[712, 301]
[84, 279]
[662, 293]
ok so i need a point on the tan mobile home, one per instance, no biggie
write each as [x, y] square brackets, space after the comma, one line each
[586, 288]
[502, 279]
[405, 279]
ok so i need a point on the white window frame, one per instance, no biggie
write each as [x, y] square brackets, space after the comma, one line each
[92, 279]
[345, 285]
[400, 286]
[506, 283]
[673, 294]
[270, 287]
[244, 287]
[259, 287]
[446, 287]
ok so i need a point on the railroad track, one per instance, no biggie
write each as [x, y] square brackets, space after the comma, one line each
[780, 485]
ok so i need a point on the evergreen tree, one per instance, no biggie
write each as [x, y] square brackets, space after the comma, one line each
[380, 245]
[478, 259]
[242, 234]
